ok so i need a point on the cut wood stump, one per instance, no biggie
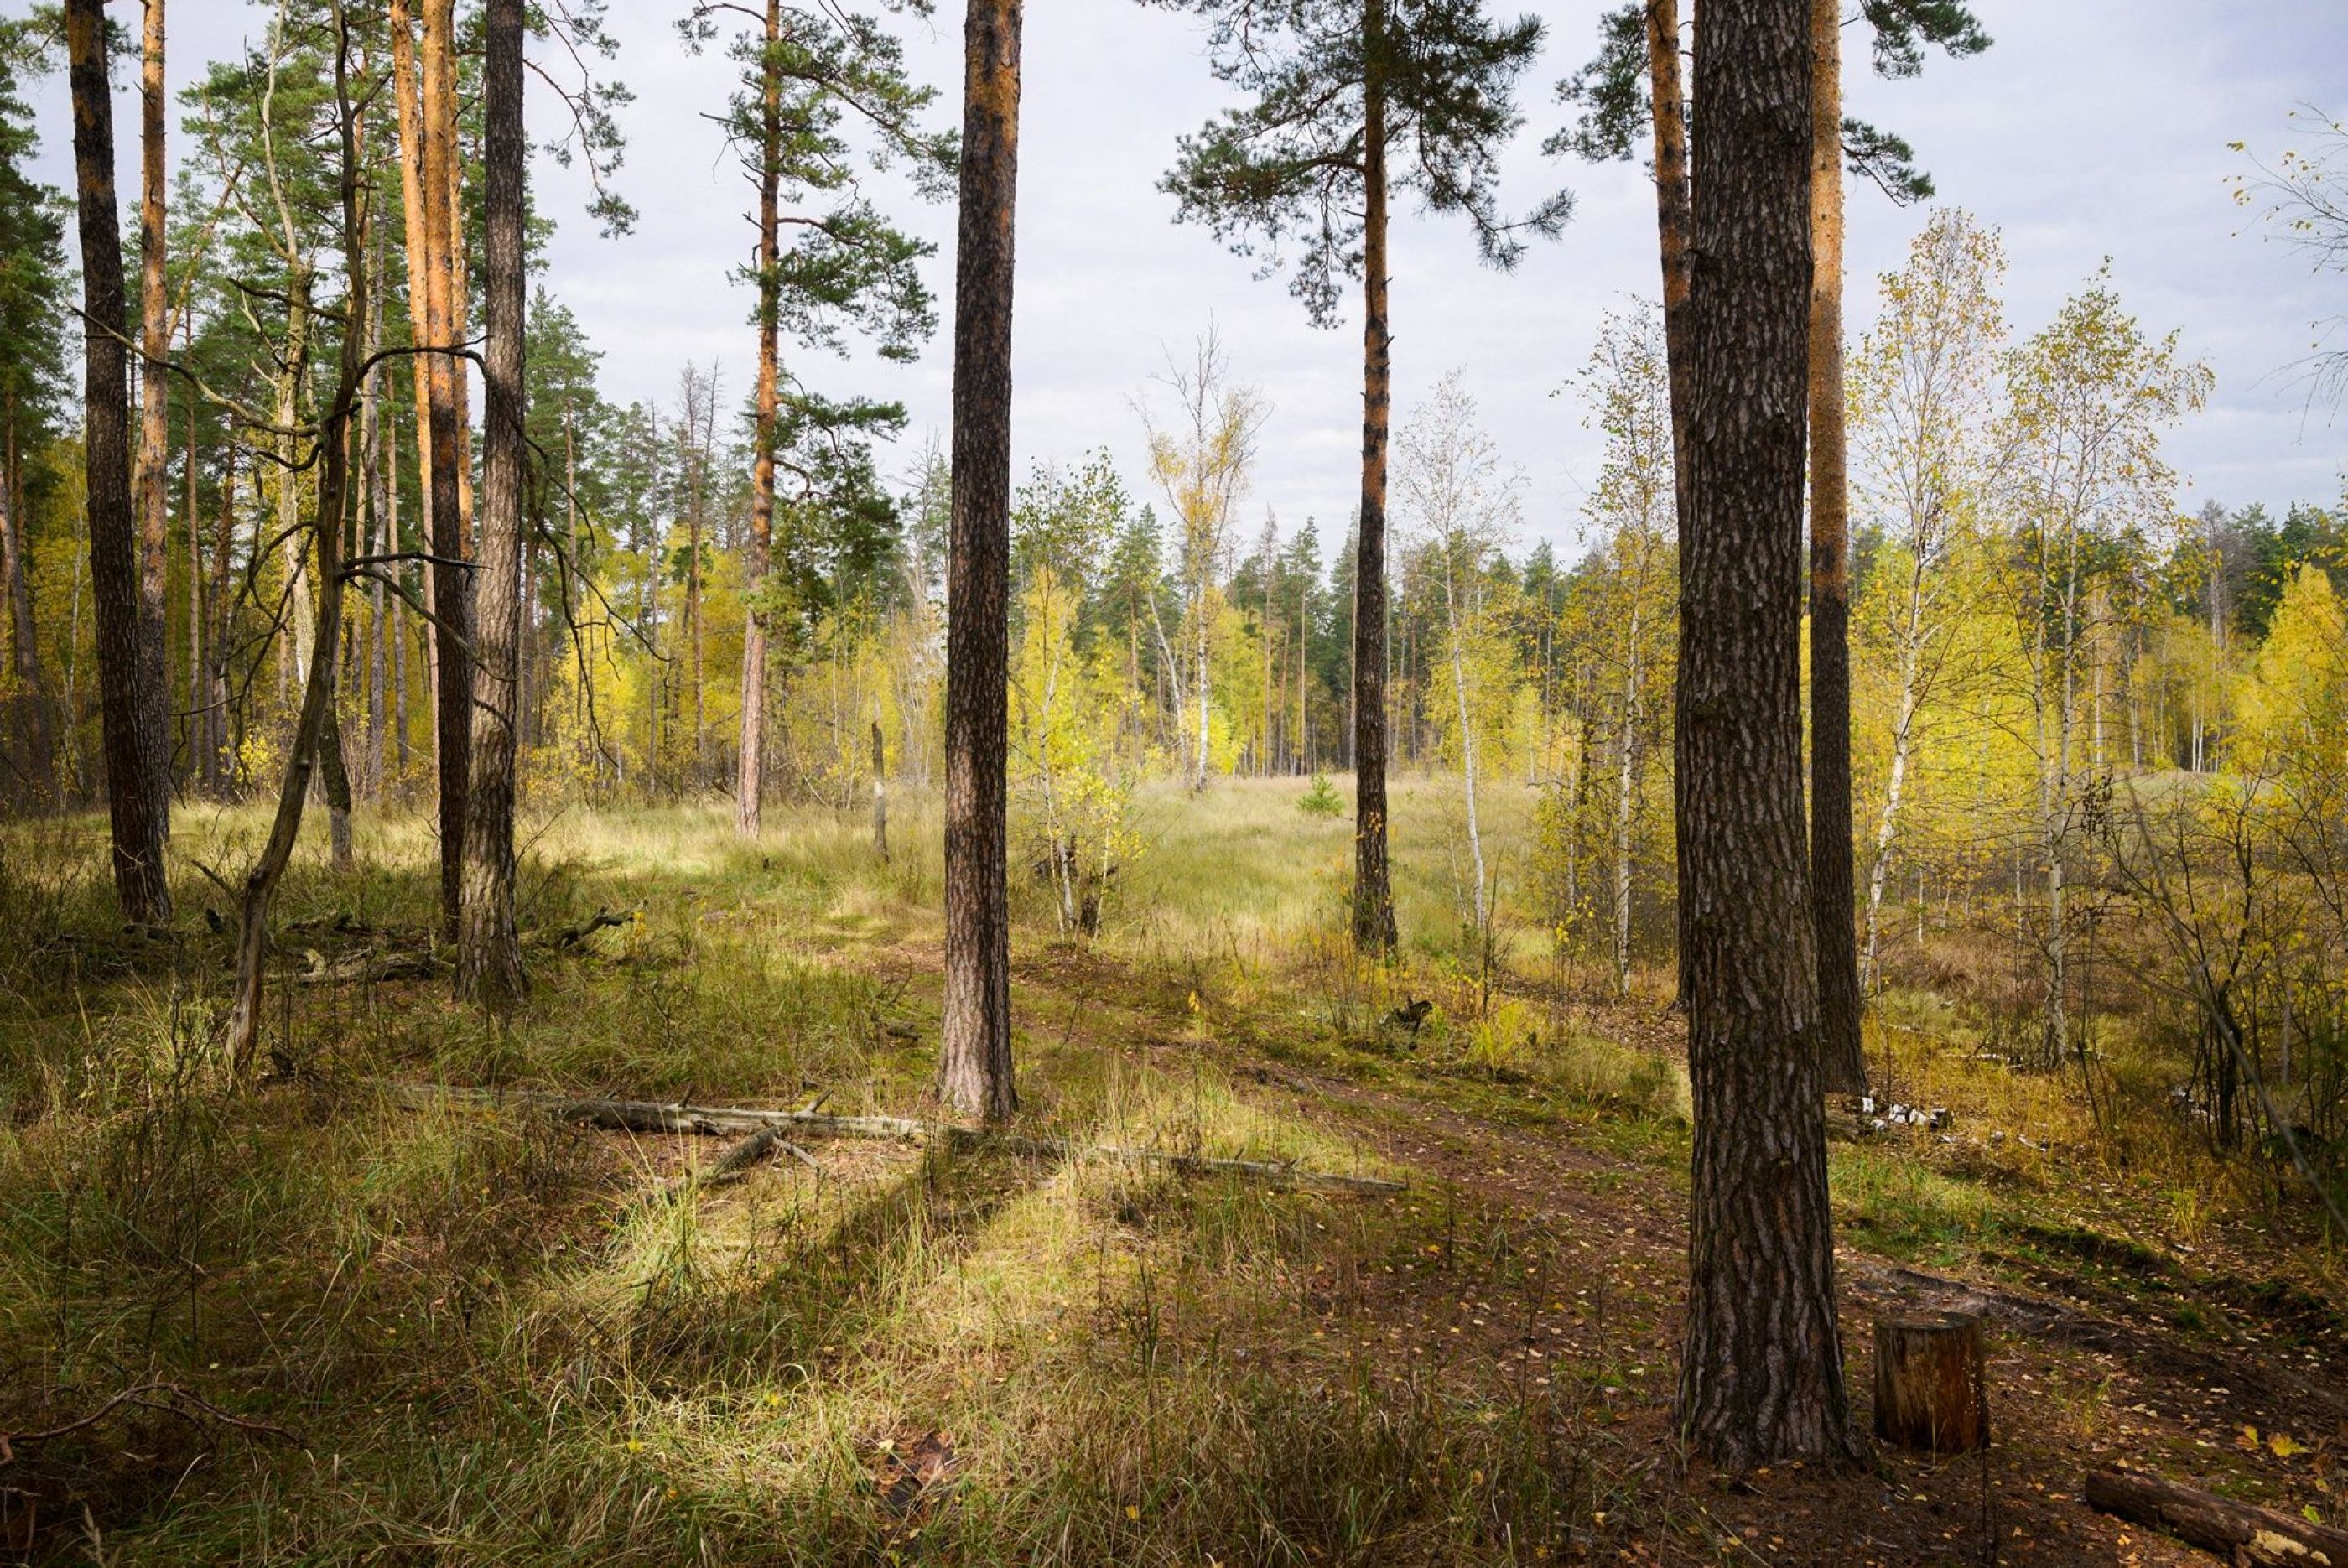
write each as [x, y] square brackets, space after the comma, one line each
[1931, 1391]
[2241, 1532]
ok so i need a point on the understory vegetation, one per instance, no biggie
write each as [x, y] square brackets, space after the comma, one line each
[354, 1322]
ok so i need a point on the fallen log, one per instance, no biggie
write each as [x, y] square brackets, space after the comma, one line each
[2242, 1531]
[653, 1115]
[367, 966]
[737, 1161]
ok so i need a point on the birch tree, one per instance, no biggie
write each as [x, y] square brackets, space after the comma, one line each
[1461, 500]
[1921, 385]
[2087, 399]
[1201, 458]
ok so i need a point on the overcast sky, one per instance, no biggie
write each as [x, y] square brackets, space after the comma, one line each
[2092, 129]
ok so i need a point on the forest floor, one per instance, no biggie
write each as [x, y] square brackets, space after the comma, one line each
[363, 1331]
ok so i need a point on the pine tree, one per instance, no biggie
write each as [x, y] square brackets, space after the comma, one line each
[974, 1069]
[135, 808]
[1350, 101]
[1761, 1378]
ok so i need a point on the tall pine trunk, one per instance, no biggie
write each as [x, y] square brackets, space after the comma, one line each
[1374, 917]
[425, 91]
[488, 951]
[1843, 1062]
[974, 1073]
[1674, 218]
[135, 808]
[154, 437]
[1762, 1375]
[751, 764]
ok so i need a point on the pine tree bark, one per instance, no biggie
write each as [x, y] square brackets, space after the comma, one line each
[489, 949]
[1843, 1062]
[444, 448]
[134, 810]
[154, 437]
[1374, 917]
[1762, 1379]
[975, 1073]
[751, 760]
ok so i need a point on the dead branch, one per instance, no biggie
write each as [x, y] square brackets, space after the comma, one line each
[174, 1390]
[650, 1116]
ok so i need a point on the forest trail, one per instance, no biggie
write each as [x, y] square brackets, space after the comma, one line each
[2090, 1364]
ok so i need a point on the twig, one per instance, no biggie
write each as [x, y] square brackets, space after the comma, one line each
[178, 1391]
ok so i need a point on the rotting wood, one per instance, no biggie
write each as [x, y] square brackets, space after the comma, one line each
[653, 1115]
[368, 967]
[2247, 1534]
[1931, 1389]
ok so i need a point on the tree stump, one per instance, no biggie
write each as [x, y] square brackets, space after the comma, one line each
[1929, 1388]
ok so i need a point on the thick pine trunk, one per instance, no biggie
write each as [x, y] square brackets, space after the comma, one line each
[1840, 1054]
[154, 452]
[1374, 917]
[975, 1074]
[134, 810]
[1762, 1379]
[751, 764]
[489, 950]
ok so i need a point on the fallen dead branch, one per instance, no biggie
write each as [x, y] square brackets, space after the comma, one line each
[2244, 1531]
[738, 1160]
[653, 1115]
[602, 919]
[368, 967]
[175, 1396]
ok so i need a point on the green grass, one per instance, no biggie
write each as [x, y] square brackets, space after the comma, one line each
[477, 1336]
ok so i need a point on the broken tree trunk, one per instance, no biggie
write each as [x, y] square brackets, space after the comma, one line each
[2244, 1531]
[653, 1115]
[1929, 1388]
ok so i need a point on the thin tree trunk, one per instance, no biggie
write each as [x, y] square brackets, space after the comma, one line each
[154, 438]
[975, 1071]
[1903, 739]
[880, 796]
[1674, 219]
[374, 448]
[134, 808]
[1627, 775]
[318, 688]
[219, 763]
[195, 607]
[1374, 917]
[1840, 1052]
[751, 765]
[1761, 1378]
[24, 647]
[488, 951]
